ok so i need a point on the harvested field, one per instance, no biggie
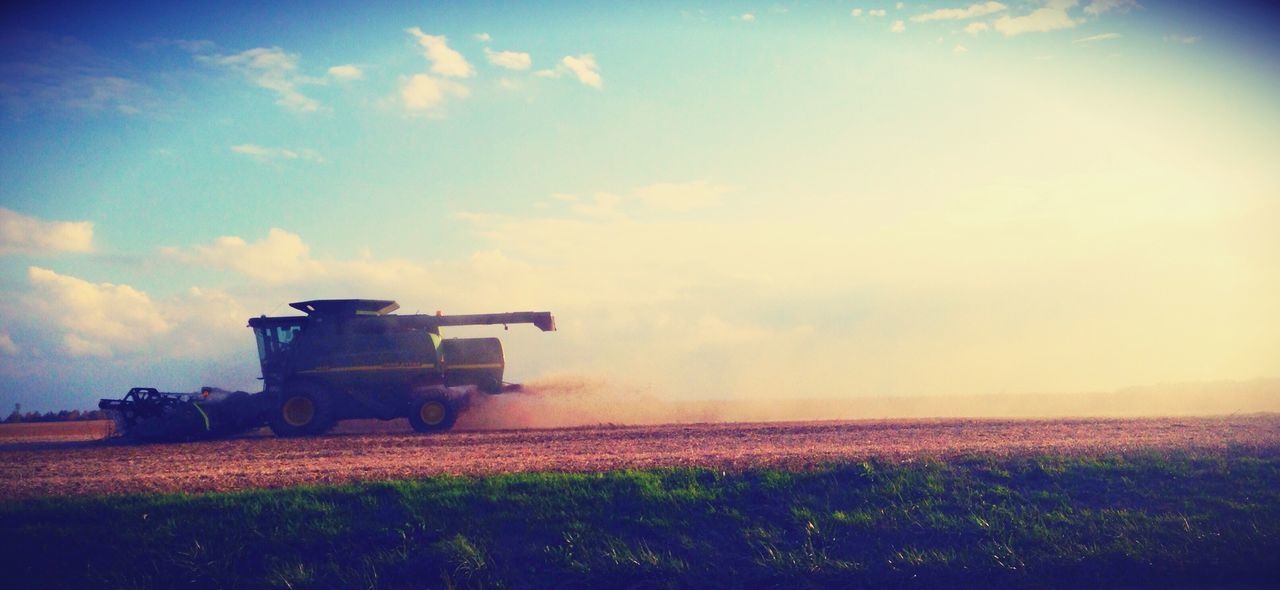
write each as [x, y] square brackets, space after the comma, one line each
[54, 432]
[112, 467]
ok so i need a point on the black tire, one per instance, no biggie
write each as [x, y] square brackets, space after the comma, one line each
[303, 411]
[432, 413]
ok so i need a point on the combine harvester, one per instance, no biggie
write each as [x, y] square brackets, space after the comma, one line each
[347, 358]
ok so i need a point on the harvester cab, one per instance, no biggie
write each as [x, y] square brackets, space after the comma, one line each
[360, 343]
[354, 358]
[283, 355]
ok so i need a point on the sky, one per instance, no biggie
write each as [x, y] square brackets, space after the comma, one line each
[718, 200]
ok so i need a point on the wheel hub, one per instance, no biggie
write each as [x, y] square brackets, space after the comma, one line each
[298, 411]
[432, 412]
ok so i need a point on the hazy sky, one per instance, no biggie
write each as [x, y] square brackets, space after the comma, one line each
[716, 199]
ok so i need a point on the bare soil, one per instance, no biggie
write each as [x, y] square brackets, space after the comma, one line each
[371, 450]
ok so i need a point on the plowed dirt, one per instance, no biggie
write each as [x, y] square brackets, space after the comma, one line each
[371, 450]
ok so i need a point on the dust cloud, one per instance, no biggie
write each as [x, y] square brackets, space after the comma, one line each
[579, 400]
[584, 400]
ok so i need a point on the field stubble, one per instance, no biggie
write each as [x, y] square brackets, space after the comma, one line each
[369, 450]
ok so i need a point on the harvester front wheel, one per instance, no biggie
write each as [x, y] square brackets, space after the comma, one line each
[303, 412]
[433, 414]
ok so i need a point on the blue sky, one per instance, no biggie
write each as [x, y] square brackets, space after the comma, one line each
[717, 199]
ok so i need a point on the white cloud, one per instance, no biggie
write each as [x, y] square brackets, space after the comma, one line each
[80, 318]
[273, 69]
[346, 72]
[1098, 7]
[422, 93]
[856, 12]
[975, 28]
[23, 234]
[876, 12]
[444, 60]
[899, 5]
[601, 206]
[748, 17]
[187, 45]
[511, 60]
[898, 26]
[100, 92]
[281, 268]
[270, 153]
[1182, 39]
[585, 68]
[958, 49]
[7, 345]
[50, 73]
[425, 94]
[76, 345]
[99, 319]
[1095, 38]
[206, 322]
[547, 74]
[681, 197]
[674, 197]
[974, 10]
[254, 150]
[1053, 16]
[482, 37]
[281, 257]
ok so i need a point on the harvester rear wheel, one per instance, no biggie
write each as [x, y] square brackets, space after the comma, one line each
[433, 414]
[303, 412]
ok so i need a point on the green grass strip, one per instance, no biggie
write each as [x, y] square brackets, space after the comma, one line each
[1043, 522]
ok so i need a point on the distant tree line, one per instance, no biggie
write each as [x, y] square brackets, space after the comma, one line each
[63, 416]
